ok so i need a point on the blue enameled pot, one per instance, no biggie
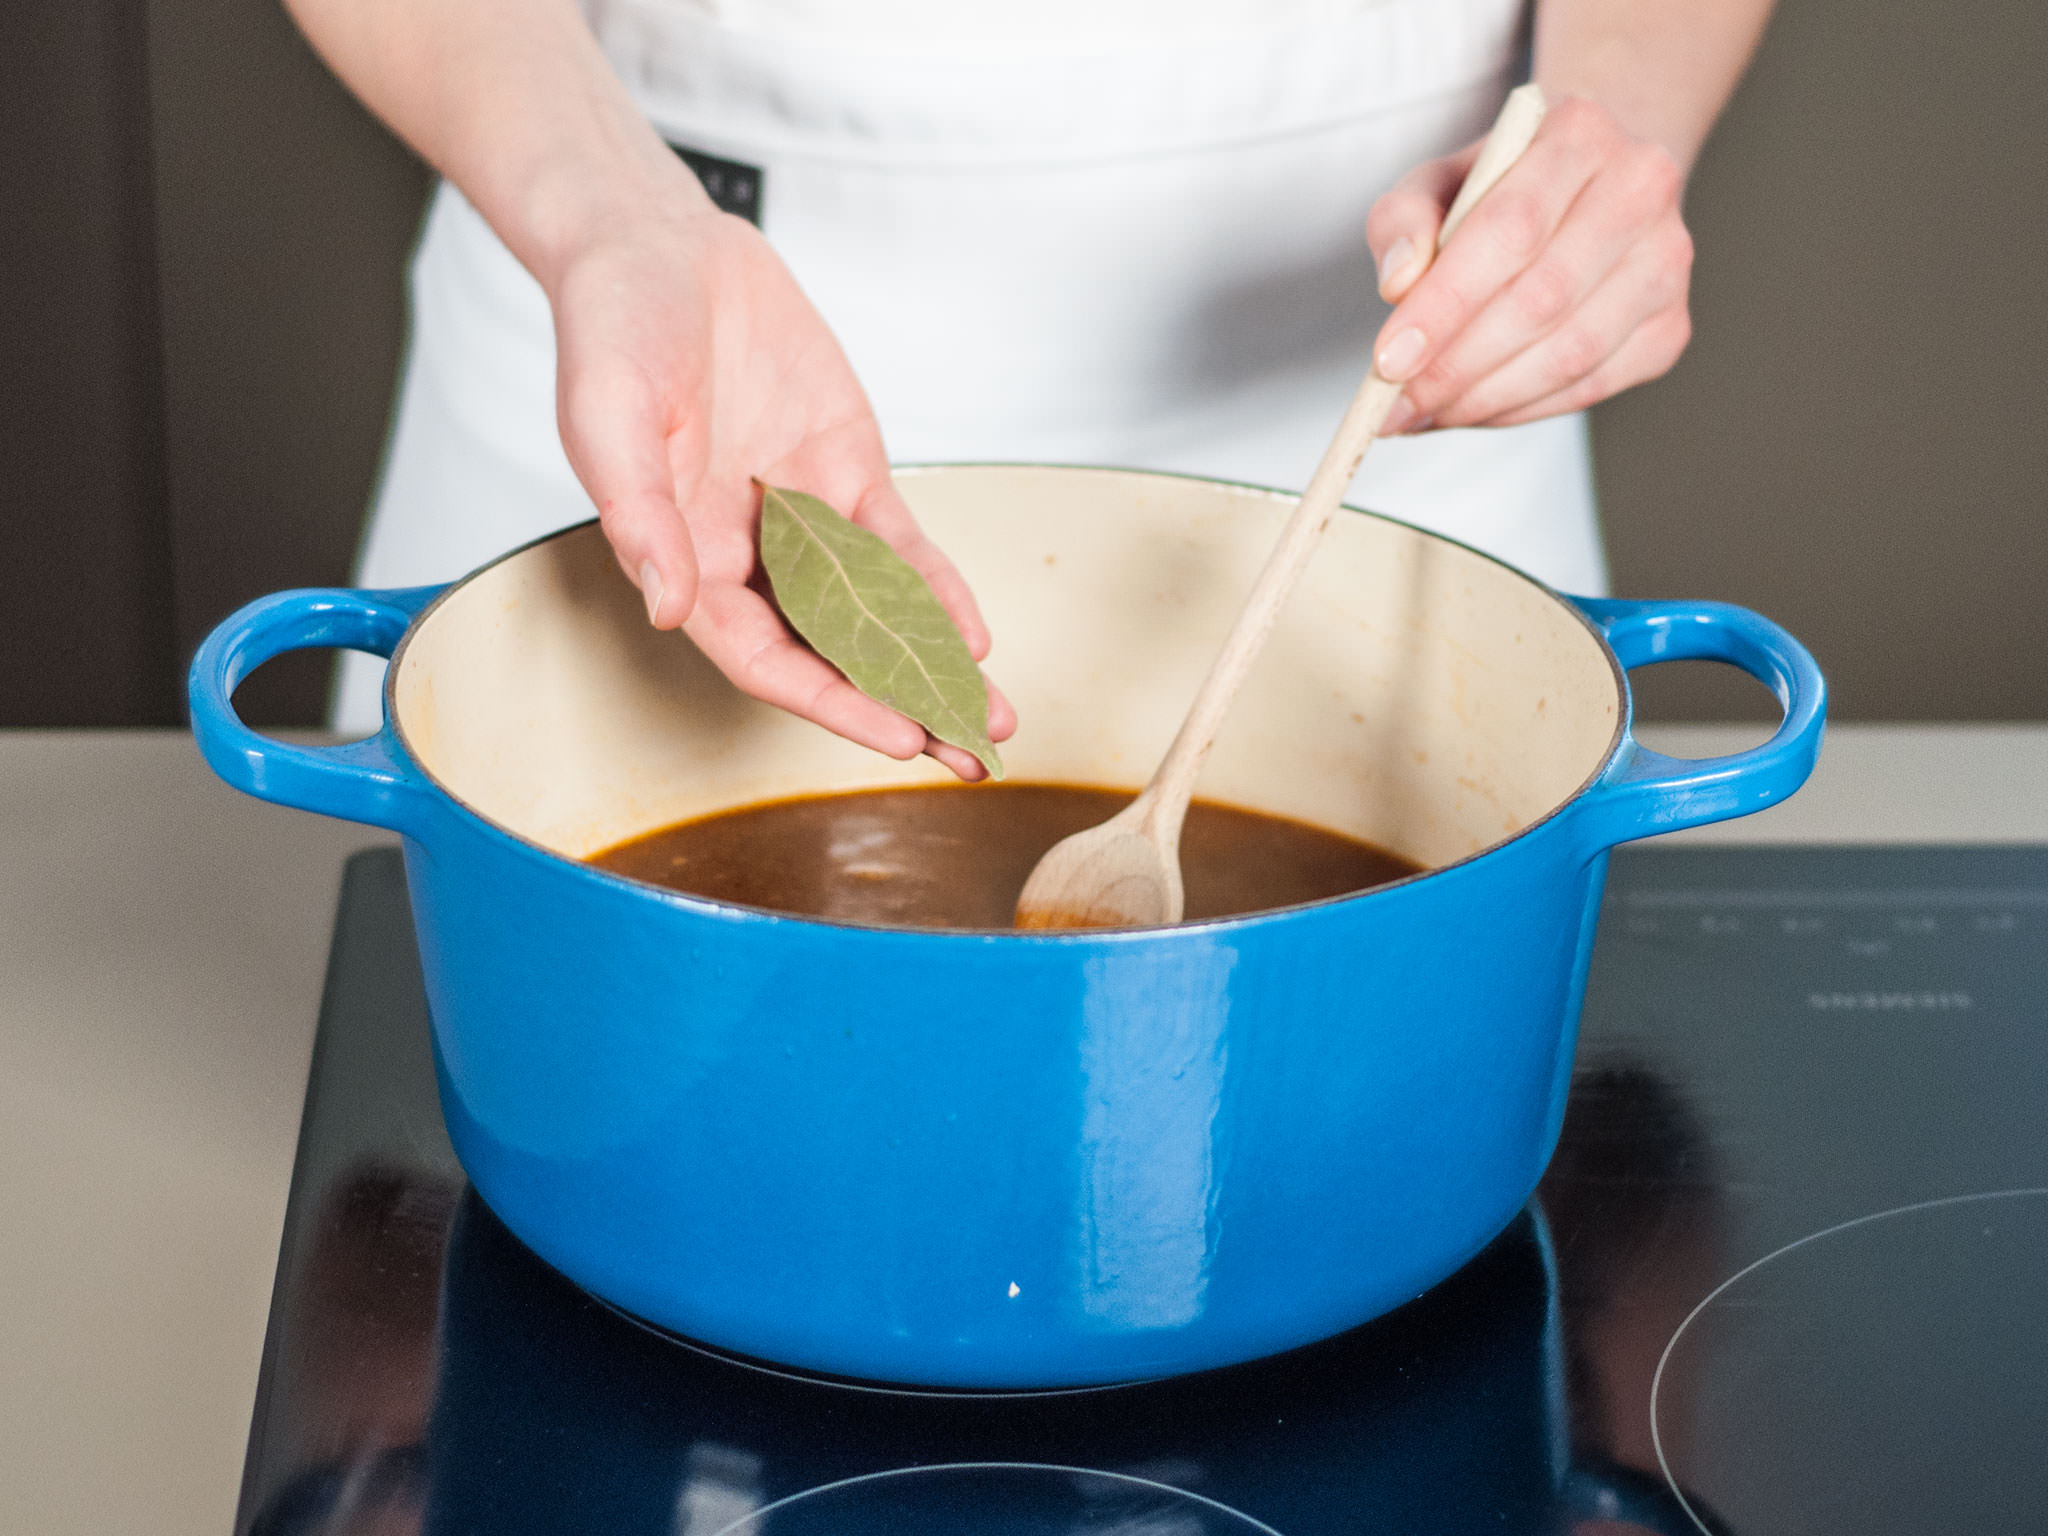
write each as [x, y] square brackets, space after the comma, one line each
[996, 1159]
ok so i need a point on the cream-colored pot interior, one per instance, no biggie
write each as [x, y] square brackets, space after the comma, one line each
[1414, 693]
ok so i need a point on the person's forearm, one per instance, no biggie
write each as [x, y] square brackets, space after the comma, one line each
[513, 102]
[1664, 68]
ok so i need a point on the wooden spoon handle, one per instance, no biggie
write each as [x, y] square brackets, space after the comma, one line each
[1167, 795]
[1520, 116]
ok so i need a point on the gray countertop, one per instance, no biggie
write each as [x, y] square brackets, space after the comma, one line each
[162, 942]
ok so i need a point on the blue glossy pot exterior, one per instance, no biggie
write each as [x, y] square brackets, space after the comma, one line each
[1003, 1160]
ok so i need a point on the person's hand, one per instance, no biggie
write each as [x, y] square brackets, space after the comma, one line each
[1566, 284]
[691, 363]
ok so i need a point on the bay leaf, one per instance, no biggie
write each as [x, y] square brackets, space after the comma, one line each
[865, 609]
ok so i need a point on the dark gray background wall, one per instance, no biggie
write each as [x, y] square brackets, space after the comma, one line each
[203, 243]
[285, 213]
[1856, 442]
[85, 607]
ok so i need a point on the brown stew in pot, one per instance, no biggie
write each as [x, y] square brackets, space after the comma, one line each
[956, 856]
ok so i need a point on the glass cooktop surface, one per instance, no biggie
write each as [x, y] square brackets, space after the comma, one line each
[1788, 1272]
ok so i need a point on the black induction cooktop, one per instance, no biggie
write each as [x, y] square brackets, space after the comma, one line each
[1788, 1273]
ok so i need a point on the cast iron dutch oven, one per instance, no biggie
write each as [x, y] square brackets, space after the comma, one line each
[998, 1159]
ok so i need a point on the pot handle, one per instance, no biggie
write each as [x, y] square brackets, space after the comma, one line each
[1645, 792]
[370, 780]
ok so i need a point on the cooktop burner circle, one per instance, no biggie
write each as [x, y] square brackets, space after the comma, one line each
[996, 1498]
[1910, 1345]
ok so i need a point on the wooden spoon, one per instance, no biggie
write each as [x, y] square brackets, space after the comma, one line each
[1126, 872]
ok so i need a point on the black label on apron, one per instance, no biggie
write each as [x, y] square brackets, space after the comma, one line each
[734, 187]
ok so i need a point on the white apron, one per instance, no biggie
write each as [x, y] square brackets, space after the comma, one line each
[1069, 247]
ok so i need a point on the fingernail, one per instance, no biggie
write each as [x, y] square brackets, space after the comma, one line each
[1394, 265]
[1398, 419]
[1398, 357]
[651, 589]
